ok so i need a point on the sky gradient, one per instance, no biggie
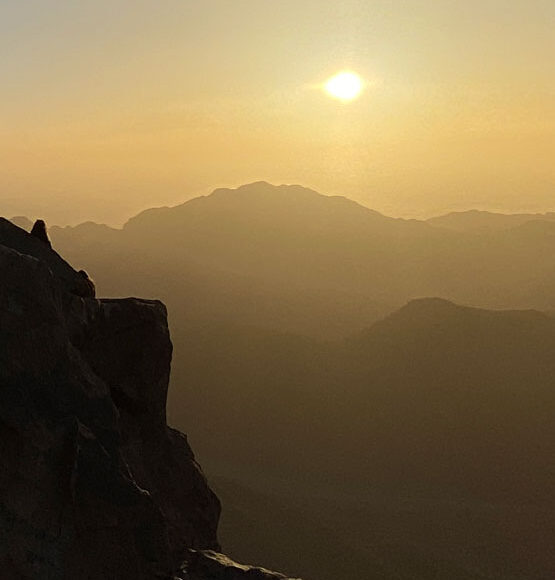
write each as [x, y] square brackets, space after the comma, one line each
[111, 107]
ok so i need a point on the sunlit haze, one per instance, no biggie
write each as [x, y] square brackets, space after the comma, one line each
[108, 108]
[277, 289]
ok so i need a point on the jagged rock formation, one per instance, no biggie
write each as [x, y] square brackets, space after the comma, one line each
[64, 276]
[39, 231]
[93, 483]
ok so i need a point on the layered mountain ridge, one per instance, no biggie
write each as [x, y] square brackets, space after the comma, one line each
[421, 444]
[289, 258]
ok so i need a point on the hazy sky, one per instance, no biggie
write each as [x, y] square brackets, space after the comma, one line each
[108, 107]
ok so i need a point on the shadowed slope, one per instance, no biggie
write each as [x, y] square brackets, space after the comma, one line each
[435, 396]
[426, 441]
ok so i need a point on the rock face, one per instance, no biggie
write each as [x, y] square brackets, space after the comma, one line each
[93, 483]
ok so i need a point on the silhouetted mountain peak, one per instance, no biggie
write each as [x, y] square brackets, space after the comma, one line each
[86, 232]
[438, 319]
[433, 305]
[271, 207]
[260, 188]
[264, 192]
[419, 314]
[87, 226]
[438, 308]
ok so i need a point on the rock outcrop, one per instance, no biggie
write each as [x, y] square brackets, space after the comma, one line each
[93, 483]
[209, 565]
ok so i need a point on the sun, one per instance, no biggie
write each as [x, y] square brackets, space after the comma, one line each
[344, 86]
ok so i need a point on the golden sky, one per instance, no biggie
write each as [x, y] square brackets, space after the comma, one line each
[109, 107]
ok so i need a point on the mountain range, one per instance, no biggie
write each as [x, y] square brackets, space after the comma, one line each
[398, 369]
[288, 258]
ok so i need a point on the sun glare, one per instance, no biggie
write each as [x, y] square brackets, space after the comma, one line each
[344, 86]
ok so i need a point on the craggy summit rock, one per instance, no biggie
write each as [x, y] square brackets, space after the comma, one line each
[39, 231]
[93, 483]
[18, 239]
[86, 290]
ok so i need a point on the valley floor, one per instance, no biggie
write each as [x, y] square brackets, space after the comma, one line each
[387, 538]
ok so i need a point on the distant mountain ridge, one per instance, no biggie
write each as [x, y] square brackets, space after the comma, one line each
[476, 220]
[289, 258]
[465, 220]
[263, 196]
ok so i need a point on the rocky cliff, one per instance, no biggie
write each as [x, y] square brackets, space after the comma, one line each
[93, 483]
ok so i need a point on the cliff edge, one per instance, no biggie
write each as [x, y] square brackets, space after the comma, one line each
[93, 483]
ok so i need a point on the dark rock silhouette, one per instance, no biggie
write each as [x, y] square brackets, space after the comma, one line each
[16, 238]
[93, 484]
[87, 289]
[65, 277]
[39, 231]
